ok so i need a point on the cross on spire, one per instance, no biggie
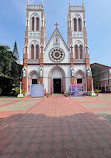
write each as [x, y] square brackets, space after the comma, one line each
[56, 25]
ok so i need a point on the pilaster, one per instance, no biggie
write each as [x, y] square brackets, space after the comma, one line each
[41, 64]
[72, 64]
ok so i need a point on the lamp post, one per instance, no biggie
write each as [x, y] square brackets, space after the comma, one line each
[20, 87]
[93, 94]
[20, 95]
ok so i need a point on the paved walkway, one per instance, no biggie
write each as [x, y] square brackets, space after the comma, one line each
[56, 127]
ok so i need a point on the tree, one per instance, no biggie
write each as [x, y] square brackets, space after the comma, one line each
[96, 77]
[16, 72]
[5, 62]
[15, 52]
[9, 67]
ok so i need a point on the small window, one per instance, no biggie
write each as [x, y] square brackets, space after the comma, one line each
[76, 51]
[37, 52]
[37, 24]
[81, 51]
[80, 24]
[34, 81]
[32, 51]
[33, 23]
[79, 81]
[75, 24]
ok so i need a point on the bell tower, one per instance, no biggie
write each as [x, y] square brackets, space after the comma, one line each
[77, 41]
[35, 41]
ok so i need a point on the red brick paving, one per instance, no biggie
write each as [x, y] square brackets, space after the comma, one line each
[57, 127]
[97, 100]
[4, 114]
[12, 102]
[100, 109]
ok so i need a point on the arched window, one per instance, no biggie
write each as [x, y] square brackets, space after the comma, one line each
[32, 51]
[81, 51]
[80, 24]
[37, 52]
[33, 22]
[76, 51]
[37, 24]
[75, 24]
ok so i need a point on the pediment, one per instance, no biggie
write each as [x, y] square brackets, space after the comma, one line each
[56, 38]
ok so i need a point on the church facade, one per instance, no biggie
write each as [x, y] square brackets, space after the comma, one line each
[56, 64]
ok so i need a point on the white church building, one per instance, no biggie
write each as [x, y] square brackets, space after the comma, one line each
[56, 64]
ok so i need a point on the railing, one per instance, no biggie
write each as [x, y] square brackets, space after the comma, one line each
[76, 7]
[35, 7]
[79, 61]
[33, 61]
[37, 33]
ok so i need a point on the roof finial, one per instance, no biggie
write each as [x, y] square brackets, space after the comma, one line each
[42, 2]
[28, 2]
[83, 3]
[56, 25]
[69, 3]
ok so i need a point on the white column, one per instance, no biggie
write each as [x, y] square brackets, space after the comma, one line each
[20, 87]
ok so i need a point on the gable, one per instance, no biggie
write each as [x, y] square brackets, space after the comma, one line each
[56, 50]
[60, 39]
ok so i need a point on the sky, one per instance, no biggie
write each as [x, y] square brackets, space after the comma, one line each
[98, 22]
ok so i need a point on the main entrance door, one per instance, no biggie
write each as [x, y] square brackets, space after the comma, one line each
[57, 85]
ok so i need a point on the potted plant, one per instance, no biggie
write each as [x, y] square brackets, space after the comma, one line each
[18, 91]
[48, 95]
[97, 91]
[66, 94]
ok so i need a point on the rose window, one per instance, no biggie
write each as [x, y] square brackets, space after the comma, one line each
[57, 54]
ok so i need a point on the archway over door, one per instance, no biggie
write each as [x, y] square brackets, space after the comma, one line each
[81, 79]
[33, 79]
[57, 80]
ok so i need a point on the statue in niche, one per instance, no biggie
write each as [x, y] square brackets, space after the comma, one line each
[24, 72]
[89, 74]
[56, 41]
[72, 72]
[41, 72]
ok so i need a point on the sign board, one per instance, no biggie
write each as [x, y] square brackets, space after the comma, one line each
[37, 90]
[76, 90]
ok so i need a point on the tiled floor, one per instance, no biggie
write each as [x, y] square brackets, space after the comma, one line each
[56, 127]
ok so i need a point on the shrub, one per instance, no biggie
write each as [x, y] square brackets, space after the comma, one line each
[47, 94]
[97, 91]
[18, 91]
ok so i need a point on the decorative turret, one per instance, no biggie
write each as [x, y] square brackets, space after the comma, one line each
[69, 4]
[78, 43]
[27, 2]
[42, 2]
[35, 41]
